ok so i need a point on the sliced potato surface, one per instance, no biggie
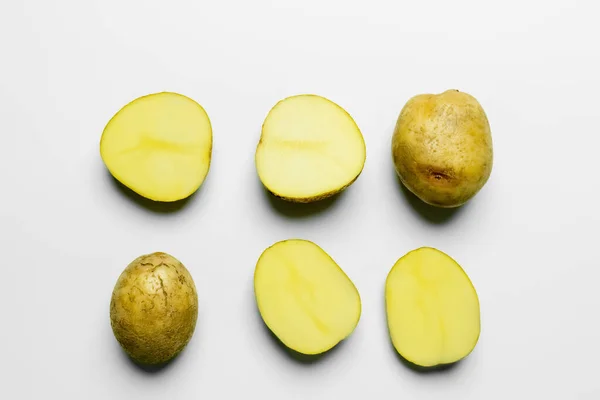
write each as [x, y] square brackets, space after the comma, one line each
[310, 148]
[304, 297]
[159, 146]
[432, 308]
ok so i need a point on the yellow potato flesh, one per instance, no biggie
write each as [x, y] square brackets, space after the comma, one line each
[304, 297]
[310, 148]
[432, 309]
[159, 146]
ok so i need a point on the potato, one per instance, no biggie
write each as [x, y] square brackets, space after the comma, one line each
[432, 309]
[310, 149]
[159, 146]
[442, 148]
[304, 297]
[154, 308]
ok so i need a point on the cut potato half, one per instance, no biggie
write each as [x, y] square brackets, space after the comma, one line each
[159, 146]
[304, 297]
[432, 309]
[310, 149]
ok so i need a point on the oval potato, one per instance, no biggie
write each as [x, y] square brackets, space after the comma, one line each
[310, 149]
[159, 146]
[304, 297]
[442, 148]
[432, 308]
[154, 308]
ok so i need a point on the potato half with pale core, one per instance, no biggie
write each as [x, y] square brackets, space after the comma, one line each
[154, 308]
[304, 297]
[432, 309]
[159, 146]
[310, 149]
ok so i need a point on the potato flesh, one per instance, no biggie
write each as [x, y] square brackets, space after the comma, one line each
[432, 308]
[159, 146]
[304, 297]
[310, 148]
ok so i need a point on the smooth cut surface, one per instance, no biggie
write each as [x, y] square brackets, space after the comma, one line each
[304, 297]
[432, 308]
[159, 146]
[154, 308]
[310, 148]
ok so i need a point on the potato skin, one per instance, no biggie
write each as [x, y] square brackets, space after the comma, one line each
[442, 147]
[154, 308]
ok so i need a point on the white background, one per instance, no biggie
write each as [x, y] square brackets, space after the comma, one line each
[529, 239]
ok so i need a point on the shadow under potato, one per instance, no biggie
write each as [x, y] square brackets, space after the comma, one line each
[435, 215]
[148, 369]
[424, 370]
[291, 209]
[158, 207]
[306, 359]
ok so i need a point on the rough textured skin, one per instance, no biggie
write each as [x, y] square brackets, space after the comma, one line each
[154, 308]
[442, 147]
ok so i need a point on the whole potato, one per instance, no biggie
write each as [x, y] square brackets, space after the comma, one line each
[442, 147]
[154, 308]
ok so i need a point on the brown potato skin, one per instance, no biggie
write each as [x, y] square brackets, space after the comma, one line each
[154, 308]
[442, 148]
